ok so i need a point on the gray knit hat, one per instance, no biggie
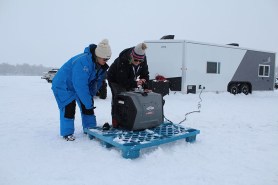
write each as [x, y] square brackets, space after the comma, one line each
[103, 49]
[139, 51]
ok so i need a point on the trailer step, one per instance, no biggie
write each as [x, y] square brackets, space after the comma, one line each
[131, 142]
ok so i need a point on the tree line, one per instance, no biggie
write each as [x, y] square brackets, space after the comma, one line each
[32, 70]
[22, 69]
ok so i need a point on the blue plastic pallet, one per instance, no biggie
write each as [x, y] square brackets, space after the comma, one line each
[131, 142]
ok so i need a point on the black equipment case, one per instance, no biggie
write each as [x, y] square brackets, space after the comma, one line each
[161, 87]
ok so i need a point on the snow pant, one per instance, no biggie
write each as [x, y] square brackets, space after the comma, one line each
[67, 115]
[115, 90]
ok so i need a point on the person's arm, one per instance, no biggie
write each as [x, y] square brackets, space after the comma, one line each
[123, 76]
[145, 74]
[80, 76]
[102, 76]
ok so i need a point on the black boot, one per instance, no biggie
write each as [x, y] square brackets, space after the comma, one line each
[106, 126]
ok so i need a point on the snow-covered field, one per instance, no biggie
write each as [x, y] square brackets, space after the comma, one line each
[238, 143]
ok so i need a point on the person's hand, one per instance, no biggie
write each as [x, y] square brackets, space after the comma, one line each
[141, 82]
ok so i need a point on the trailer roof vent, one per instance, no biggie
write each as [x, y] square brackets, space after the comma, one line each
[167, 37]
[233, 44]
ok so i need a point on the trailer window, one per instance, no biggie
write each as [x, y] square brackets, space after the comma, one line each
[213, 67]
[264, 70]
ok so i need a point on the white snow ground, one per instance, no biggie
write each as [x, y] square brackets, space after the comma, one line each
[238, 143]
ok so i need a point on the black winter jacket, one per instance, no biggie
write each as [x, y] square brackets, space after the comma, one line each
[122, 73]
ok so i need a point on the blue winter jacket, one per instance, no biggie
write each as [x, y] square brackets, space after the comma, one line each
[80, 77]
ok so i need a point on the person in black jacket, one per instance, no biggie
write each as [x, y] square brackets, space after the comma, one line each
[128, 71]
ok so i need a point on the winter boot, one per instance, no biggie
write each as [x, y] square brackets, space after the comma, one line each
[106, 126]
[69, 137]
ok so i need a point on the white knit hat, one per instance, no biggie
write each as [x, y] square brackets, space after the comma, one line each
[138, 51]
[103, 49]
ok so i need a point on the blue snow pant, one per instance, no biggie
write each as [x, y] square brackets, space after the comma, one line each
[67, 115]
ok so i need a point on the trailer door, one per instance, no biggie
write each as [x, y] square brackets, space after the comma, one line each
[165, 58]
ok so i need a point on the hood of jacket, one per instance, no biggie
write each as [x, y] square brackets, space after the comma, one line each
[91, 50]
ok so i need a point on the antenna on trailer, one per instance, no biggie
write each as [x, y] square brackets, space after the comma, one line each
[233, 44]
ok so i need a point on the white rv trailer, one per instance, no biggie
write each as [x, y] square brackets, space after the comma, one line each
[191, 66]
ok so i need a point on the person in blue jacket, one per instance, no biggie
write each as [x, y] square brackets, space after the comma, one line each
[78, 80]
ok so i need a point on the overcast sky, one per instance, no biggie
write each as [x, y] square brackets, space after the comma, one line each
[49, 32]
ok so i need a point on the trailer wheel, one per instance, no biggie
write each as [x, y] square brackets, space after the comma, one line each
[234, 89]
[245, 89]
